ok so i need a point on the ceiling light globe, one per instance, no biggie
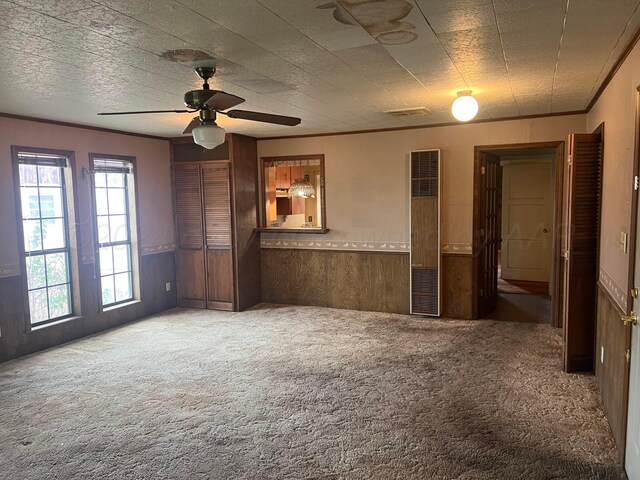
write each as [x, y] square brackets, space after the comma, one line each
[465, 107]
[208, 136]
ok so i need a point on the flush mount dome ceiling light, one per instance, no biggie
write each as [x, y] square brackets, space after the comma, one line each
[465, 107]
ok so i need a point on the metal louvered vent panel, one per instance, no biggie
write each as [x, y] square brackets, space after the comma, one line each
[424, 173]
[424, 232]
[424, 290]
[424, 188]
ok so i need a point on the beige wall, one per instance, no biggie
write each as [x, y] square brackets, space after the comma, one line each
[367, 179]
[153, 180]
[616, 107]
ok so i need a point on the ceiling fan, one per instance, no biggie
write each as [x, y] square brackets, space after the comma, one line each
[208, 103]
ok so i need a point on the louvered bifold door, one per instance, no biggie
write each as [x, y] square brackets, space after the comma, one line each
[216, 189]
[425, 232]
[581, 250]
[190, 246]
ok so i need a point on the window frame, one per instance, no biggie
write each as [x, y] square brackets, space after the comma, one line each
[133, 230]
[263, 196]
[71, 232]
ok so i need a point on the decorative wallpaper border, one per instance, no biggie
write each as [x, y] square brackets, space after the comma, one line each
[460, 248]
[9, 270]
[151, 249]
[359, 246]
[618, 293]
[336, 245]
[87, 258]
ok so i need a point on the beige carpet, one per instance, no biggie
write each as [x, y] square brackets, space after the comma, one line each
[302, 393]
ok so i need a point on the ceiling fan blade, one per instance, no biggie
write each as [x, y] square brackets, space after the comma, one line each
[222, 100]
[264, 117]
[195, 122]
[145, 111]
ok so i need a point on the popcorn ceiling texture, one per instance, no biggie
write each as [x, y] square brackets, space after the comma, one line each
[302, 392]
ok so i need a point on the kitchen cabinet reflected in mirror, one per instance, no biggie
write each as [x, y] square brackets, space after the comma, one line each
[293, 192]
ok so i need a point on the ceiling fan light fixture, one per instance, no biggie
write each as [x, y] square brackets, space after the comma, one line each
[208, 135]
[465, 107]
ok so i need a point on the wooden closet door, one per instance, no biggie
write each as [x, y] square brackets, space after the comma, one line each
[191, 255]
[216, 188]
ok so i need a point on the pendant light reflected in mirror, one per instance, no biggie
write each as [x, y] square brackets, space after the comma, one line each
[302, 188]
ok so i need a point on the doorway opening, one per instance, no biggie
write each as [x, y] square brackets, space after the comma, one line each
[517, 230]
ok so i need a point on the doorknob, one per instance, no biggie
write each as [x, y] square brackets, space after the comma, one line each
[544, 230]
[629, 319]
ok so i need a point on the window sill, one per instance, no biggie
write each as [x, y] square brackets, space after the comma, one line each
[120, 305]
[35, 328]
[292, 230]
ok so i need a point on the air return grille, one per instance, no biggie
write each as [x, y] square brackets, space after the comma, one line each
[409, 112]
[424, 294]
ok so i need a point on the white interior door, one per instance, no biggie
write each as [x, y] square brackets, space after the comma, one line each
[632, 450]
[527, 213]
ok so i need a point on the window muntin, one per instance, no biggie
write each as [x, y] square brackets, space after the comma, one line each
[281, 211]
[45, 228]
[113, 200]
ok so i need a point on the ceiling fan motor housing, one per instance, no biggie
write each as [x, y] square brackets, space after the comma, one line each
[196, 98]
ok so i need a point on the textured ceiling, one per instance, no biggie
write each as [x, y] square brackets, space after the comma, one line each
[339, 65]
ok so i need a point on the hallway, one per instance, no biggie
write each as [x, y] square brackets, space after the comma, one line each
[524, 308]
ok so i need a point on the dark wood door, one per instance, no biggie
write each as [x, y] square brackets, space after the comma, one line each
[581, 250]
[216, 197]
[190, 245]
[489, 228]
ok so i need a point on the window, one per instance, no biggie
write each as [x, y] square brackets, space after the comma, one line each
[294, 193]
[44, 182]
[114, 202]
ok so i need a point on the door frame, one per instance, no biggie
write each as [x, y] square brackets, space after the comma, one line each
[478, 198]
[634, 203]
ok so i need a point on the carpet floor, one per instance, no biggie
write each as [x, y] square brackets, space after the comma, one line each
[302, 393]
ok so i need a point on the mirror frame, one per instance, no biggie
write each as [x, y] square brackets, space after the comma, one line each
[263, 196]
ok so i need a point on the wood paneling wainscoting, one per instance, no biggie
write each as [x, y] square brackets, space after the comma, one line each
[612, 375]
[155, 270]
[371, 281]
[457, 286]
